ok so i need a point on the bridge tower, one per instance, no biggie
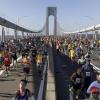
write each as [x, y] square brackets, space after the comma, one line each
[51, 11]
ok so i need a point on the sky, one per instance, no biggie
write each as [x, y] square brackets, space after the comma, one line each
[72, 15]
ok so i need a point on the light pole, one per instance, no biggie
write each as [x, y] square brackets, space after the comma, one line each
[89, 17]
[19, 23]
[19, 19]
[79, 28]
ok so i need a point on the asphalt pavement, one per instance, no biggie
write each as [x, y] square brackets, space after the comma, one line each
[9, 84]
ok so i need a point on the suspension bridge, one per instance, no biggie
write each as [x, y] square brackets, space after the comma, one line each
[58, 30]
[54, 84]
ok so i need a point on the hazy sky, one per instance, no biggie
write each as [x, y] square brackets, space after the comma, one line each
[71, 14]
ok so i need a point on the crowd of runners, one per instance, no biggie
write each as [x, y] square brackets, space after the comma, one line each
[85, 81]
[30, 50]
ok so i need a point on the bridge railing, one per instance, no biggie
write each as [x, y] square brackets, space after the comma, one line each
[42, 89]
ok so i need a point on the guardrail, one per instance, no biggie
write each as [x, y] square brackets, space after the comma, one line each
[95, 68]
[42, 89]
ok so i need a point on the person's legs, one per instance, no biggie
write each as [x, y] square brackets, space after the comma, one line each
[13, 63]
[25, 76]
[6, 69]
[86, 85]
[16, 63]
[27, 72]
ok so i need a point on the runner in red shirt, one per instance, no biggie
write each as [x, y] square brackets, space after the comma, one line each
[7, 61]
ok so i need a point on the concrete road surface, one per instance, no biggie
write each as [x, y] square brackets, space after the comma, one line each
[9, 84]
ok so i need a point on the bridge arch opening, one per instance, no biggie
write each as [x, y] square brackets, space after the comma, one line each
[51, 25]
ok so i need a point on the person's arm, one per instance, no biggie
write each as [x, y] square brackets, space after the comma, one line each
[31, 95]
[10, 58]
[15, 95]
[78, 61]
[72, 77]
[32, 98]
[92, 73]
[89, 88]
[14, 98]
[21, 61]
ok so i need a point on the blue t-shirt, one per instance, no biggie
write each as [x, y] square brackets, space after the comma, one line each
[25, 96]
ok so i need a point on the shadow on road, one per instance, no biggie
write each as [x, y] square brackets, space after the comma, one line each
[7, 79]
[8, 95]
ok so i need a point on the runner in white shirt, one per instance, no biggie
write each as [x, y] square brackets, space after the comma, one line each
[94, 84]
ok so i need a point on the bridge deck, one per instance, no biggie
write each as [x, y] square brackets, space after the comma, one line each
[9, 84]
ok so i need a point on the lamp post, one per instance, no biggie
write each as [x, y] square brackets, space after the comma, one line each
[19, 23]
[80, 33]
[19, 19]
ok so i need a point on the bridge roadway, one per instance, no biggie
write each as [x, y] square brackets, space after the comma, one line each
[9, 84]
[95, 59]
[62, 69]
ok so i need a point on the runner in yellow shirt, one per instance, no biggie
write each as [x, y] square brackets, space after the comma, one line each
[72, 54]
[39, 58]
[26, 66]
[69, 48]
[39, 62]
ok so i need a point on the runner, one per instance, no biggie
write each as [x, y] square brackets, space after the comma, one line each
[39, 61]
[72, 56]
[14, 58]
[78, 52]
[58, 47]
[69, 48]
[77, 83]
[81, 61]
[95, 83]
[95, 94]
[23, 93]
[1, 59]
[88, 73]
[7, 61]
[33, 54]
[26, 66]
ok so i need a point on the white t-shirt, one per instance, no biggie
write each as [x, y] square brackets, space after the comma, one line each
[93, 84]
[81, 61]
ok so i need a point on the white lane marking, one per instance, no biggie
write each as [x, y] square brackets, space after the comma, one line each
[2, 71]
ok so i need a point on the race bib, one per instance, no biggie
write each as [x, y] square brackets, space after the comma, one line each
[78, 80]
[88, 74]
